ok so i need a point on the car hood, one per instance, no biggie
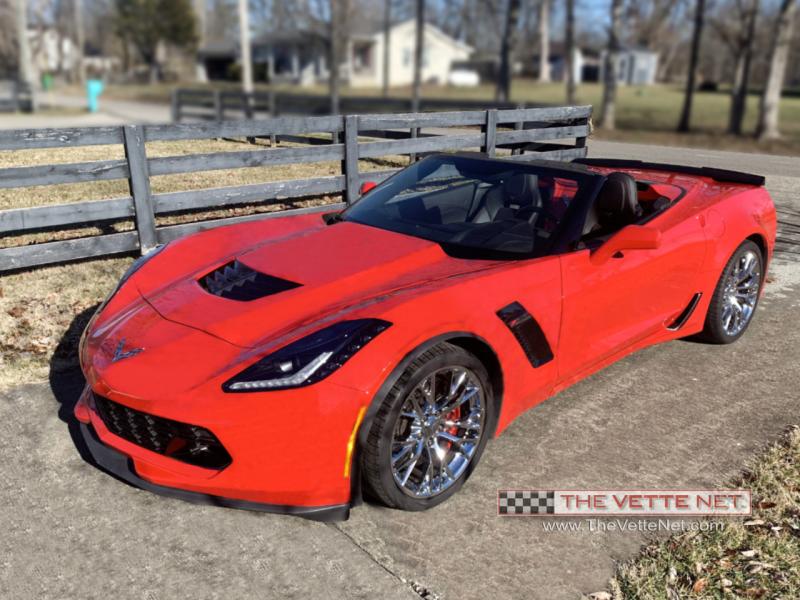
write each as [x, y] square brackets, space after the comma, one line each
[335, 268]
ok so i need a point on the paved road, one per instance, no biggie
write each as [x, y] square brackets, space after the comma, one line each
[680, 415]
[112, 112]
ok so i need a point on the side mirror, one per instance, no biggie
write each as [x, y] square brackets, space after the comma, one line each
[367, 186]
[632, 237]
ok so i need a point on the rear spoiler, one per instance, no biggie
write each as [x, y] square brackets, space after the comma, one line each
[722, 175]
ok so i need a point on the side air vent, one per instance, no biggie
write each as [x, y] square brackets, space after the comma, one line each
[528, 333]
[237, 281]
[681, 319]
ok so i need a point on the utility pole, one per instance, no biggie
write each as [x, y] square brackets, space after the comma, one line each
[244, 42]
[419, 50]
[387, 32]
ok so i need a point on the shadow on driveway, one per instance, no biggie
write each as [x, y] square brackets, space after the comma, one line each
[67, 380]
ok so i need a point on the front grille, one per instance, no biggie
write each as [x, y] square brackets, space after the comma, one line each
[181, 441]
[237, 281]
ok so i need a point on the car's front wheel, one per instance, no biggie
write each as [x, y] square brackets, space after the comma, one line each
[430, 430]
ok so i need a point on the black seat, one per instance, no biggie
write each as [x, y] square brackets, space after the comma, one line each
[616, 205]
[515, 198]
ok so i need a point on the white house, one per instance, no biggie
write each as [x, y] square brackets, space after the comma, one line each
[635, 66]
[365, 66]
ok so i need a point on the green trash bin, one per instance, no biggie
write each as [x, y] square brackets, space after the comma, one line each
[47, 82]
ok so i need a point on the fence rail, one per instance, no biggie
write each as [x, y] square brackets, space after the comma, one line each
[218, 105]
[526, 133]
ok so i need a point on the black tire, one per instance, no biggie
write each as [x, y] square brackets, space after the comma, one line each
[714, 331]
[376, 463]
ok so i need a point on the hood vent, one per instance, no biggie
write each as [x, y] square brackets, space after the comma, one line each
[237, 281]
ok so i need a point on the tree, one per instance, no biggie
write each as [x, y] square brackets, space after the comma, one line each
[694, 57]
[503, 91]
[80, 40]
[569, 52]
[25, 69]
[767, 127]
[419, 49]
[149, 23]
[544, 41]
[200, 10]
[740, 41]
[338, 36]
[8, 39]
[244, 48]
[387, 32]
[610, 74]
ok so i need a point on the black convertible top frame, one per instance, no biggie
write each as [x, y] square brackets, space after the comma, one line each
[721, 175]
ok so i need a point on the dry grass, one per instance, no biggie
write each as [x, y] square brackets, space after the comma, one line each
[37, 309]
[756, 557]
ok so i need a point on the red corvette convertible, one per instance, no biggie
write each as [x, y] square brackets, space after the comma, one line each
[289, 364]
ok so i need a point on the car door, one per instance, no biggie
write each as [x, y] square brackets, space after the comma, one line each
[635, 295]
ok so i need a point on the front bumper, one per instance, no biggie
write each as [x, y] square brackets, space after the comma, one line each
[289, 449]
[121, 466]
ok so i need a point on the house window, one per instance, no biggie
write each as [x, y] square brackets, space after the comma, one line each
[408, 56]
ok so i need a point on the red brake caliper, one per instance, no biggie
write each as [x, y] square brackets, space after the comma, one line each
[453, 415]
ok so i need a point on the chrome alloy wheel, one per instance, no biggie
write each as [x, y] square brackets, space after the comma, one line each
[438, 431]
[740, 294]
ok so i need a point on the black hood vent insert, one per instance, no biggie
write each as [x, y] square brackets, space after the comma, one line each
[237, 281]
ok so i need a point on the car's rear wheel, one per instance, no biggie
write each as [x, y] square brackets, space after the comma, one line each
[429, 431]
[736, 296]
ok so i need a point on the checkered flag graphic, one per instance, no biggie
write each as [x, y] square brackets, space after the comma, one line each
[515, 502]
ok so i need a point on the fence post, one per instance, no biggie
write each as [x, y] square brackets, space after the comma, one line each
[580, 142]
[176, 106]
[273, 112]
[518, 126]
[414, 134]
[490, 132]
[139, 185]
[218, 108]
[350, 163]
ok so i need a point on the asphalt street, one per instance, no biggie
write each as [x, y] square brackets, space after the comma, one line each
[679, 415]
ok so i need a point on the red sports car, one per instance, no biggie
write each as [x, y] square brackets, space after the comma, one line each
[288, 364]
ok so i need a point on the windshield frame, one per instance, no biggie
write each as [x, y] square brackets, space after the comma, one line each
[564, 237]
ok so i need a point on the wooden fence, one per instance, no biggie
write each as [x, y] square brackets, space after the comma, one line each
[220, 105]
[528, 133]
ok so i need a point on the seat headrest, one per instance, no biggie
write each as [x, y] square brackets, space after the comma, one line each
[618, 202]
[521, 189]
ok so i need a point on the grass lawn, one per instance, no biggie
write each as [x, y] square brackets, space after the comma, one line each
[644, 114]
[755, 557]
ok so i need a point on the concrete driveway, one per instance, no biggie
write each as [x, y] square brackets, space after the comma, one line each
[680, 415]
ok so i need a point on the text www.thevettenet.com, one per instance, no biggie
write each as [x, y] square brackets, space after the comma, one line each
[629, 525]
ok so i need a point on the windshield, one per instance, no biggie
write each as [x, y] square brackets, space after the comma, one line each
[473, 204]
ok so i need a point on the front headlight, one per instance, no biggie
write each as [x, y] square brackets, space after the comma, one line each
[309, 359]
